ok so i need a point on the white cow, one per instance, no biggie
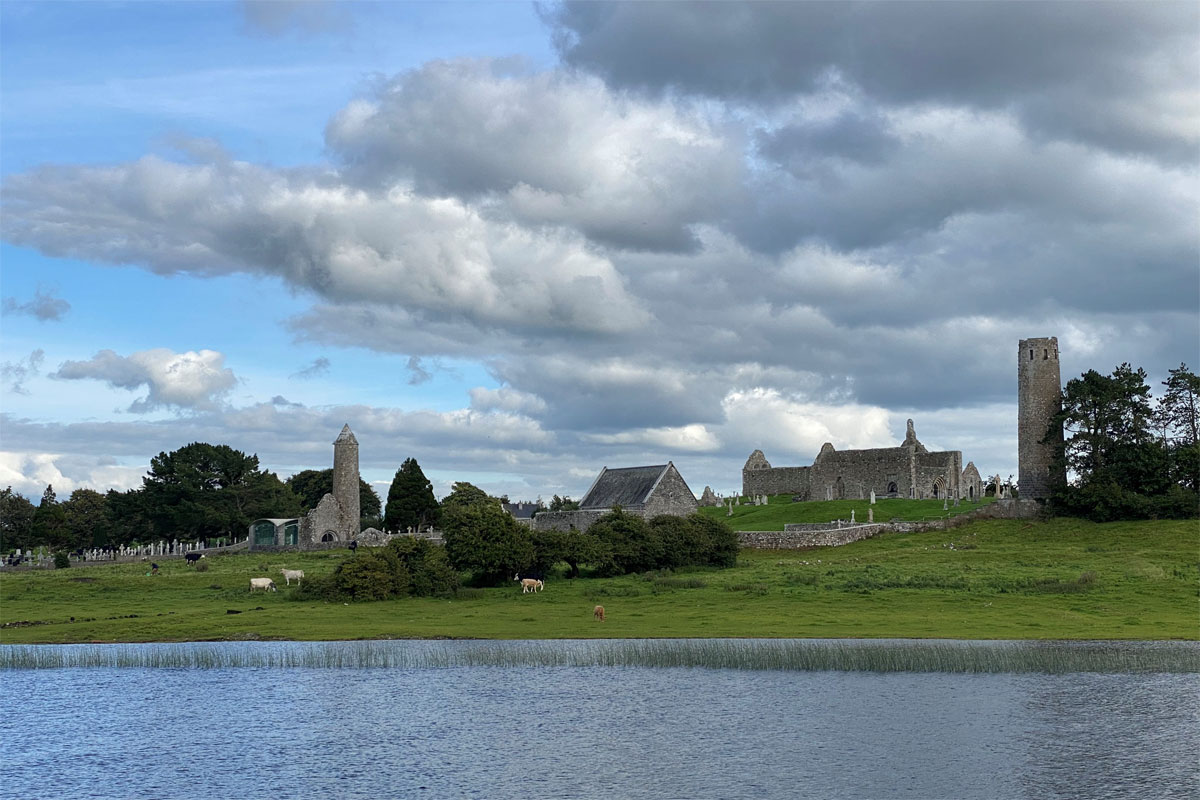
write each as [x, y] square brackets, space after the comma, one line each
[262, 583]
[289, 574]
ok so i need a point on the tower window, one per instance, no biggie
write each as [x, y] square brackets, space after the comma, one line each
[1031, 355]
[1045, 355]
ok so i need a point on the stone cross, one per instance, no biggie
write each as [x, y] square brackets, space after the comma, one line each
[946, 504]
[852, 516]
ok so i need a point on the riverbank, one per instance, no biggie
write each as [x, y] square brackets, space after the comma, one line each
[1000, 579]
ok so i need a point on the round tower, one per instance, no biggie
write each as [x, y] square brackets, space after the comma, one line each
[1039, 398]
[345, 478]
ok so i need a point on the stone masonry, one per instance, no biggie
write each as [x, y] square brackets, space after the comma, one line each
[1039, 398]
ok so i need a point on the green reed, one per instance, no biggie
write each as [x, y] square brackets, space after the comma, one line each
[741, 654]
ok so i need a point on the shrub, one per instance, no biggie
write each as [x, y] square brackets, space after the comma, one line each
[61, 560]
[201, 566]
[630, 544]
[430, 573]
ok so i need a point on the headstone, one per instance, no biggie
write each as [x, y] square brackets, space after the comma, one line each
[946, 504]
[828, 492]
[872, 497]
[956, 502]
[852, 516]
[870, 515]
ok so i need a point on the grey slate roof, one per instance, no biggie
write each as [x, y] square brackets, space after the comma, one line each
[521, 510]
[626, 487]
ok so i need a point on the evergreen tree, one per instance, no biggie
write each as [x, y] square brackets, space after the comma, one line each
[410, 501]
[50, 522]
[86, 519]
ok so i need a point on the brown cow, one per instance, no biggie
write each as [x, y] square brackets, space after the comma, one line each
[598, 613]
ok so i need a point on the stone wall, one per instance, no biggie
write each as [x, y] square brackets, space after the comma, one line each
[327, 517]
[671, 496]
[567, 520]
[794, 537]
[777, 480]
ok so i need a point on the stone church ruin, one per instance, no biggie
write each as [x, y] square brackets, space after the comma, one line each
[909, 471]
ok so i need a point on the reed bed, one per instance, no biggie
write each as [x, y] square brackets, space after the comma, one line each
[741, 654]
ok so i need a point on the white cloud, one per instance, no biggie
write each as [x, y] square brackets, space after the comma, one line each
[191, 380]
[764, 419]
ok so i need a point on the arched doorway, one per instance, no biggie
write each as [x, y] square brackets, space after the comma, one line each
[892, 488]
[839, 490]
[971, 492]
[329, 536]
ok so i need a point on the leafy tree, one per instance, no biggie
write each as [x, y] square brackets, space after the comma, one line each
[1179, 416]
[128, 517]
[311, 485]
[483, 538]
[406, 566]
[463, 493]
[203, 490]
[410, 501]
[16, 521]
[86, 519]
[563, 504]
[50, 522]
[572, 547]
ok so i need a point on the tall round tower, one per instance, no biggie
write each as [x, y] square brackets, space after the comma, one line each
[345, 478]
[1039, 398]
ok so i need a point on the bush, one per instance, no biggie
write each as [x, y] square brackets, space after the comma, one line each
[430, 573]
[407, 566]
[201, 566]
[627, 544]
[61, 560]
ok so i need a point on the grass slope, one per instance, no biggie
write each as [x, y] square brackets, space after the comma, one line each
[999, 579]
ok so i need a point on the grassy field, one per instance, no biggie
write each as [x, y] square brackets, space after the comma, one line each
[999, 579]
[781, 510]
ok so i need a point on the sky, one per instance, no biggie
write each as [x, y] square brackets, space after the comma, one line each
[520, 243]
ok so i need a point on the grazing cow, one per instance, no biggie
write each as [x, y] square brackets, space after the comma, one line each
[529, 584]
[598, 613]
[192, 558]
[262, 583]
[289, 574]
[354, 546]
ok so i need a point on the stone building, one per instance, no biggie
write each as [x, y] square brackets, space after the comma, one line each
[971, 483]
[335, 520]
[645, 491]
[1039, 398]
[909, 470]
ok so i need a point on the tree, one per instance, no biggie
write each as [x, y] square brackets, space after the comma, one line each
[127, 517]
[1179, 416]
[311, 485]
[1120, 469]
[86, 519]
[410, 500]
[563, 504]
[50, 522]
[483, 538]
[16, 521]
[204, 490]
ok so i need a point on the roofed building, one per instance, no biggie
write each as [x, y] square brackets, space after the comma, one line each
[645, 491]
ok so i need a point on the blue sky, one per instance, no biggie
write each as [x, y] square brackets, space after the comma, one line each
[521, 243]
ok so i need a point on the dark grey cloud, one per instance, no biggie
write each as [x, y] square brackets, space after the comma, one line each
[1119, 75]
[44, 306]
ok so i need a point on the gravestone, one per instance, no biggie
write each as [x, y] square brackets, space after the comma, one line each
[870, 515]
[852, 516]
[872, 497]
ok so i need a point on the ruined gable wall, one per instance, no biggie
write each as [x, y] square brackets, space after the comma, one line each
[861, 471]
[946, 465]
[327, 516]
[671, 496]
[567, 520]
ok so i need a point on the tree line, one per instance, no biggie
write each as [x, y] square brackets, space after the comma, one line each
[1125, 455]
[204, 491]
